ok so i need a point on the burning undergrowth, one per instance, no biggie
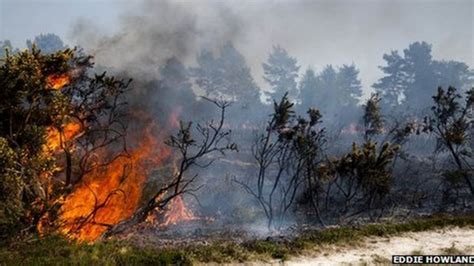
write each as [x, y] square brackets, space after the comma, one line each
[113, 190]
[106, 158]
[112, 193]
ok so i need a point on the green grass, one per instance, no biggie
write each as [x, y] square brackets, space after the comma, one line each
[54, 250]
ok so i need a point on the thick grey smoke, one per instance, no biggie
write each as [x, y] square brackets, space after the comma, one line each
[157, 31]
[315, 32]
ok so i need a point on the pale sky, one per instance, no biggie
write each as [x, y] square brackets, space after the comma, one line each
[315, 32]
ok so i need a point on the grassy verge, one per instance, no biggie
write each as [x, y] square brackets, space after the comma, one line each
[55, 250]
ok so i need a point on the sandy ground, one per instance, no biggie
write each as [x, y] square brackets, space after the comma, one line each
[378, 250]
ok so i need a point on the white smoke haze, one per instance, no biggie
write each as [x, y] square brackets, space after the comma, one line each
[317, 33]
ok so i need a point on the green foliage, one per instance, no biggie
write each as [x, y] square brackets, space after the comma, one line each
[43, 93]
[370, 166]
[450, 118]
[220, 252]
[283, 111]
[11, 185]
[28, 106]
[55, 250]
[275, 250]
[363, 176]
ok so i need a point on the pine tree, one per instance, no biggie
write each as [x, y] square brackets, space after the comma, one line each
[226, 76]
[309, 87]
[280, 72]
[392, 85]
[47, 43]
[350, 87]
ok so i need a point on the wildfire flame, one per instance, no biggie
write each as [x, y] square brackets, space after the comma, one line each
[111, 193]
[57, 81]
[177, 212]
[55, 138]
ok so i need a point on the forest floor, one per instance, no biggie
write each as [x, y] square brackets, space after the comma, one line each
[379, 250]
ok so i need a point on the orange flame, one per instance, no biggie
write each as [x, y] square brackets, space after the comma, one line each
[111, 193]
[177, 212]
[57, 81]
[54, 138]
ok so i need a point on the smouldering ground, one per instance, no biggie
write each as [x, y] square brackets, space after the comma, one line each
[378, 250]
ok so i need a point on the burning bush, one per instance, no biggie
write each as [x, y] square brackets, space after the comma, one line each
[55, 118]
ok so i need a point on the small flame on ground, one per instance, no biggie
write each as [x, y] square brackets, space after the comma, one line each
[177, 212]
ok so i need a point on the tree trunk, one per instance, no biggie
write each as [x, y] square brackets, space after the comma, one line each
[68, 167]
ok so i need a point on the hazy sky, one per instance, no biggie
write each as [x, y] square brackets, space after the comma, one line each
[315, 32]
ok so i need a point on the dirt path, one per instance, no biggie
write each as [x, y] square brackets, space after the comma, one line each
[378, 250]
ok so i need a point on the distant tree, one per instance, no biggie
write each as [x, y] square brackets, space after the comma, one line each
[47, 43]
[392, 86]
[310, 90]
[228, 76]
[225, 76]
[421, 77]
[329, 96]
[175, 75]
[4, 46]
[409, 79]
[350, 87]
[237, 76]
[176, 86]
[280, 72]
[453, 73]
[335, 91]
